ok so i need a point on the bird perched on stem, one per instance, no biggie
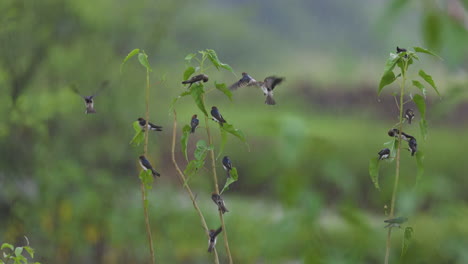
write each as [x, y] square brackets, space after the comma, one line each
[218, 200]
[150, 125]
[395, 132]
[194, 123]
[409, 115]
[196, 78]
[89, 100]
[413, 146]
[146, 165]
[217, 116]
[267, 85]
[212, 241]
[384, 154]
[227, 165]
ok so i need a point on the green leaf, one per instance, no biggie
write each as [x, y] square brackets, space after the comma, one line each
[234, 131]
[423, 50]
[423, 128]
[213, 57]
[222, 87]
[146, 178]
[428, 79]
[406, 240]
[6, 245]
[143, 58]
[139, 135]
[421, 87]
[188, 72]
[30, 250]
[421, 104]
[420, 163]
[131, 54]
[200, 155]
[198, 96]
[234, 177]
[184, 139]
[189, 57]
[18, 251]
[374, 166]
[388, 76]
[201, 150]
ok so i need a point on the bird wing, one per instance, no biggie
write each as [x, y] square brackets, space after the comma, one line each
[217, 231]
[272, 81]
[75, 90]
[243, 82]
[104, 85]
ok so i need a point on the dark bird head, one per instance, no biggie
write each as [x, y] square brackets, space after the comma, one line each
[244, 74]
[214, 108]
[393, 132]
[141, 119]
[194, 116]
[142, 157]
[204, 77]
[88, 99]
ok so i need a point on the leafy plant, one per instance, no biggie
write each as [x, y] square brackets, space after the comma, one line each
[399, 63]
[13, 255]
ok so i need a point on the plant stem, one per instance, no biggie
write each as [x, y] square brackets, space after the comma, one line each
[143, 188]
[187, 187]
[397, 173]
[215, 179]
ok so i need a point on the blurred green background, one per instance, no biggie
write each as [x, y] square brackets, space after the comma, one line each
[68, 181]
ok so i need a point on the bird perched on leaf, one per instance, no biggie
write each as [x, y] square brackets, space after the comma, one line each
[384, 154]
[227, 165]
[395, 132]
[217, 116]
[218, 200]
[395, 222]
[150, 125]
[267, 85]
[212, 241]
[146, 165]
[399, 50]
[194, 123]
[196, 78]
[89, 100]
[409, 115]
[413, 146]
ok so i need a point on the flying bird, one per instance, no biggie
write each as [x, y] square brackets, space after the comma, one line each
[194, 123]
[212, 241]
[413, 146]
[150, 125]
[395, 132]
[384, 154]
[218, 200]
[227, 165]
[246, 80]
[217, 116]
[409, 115]
[395, 222]
[196, 78]
[89, 100]
[267, 85]
[146, 165]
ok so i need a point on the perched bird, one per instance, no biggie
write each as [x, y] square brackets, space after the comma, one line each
[399, 50]
[217, 116]
[146, 165]
[196, 78]
[246, 80]
[227, 165]
[212, 241]
[267, 87]
[384, 154]
[150, 125]
[413, 146]
[409, 115]
[194, 123]
[394, 133]
[395, 222]
[219, 202]
[89, 100]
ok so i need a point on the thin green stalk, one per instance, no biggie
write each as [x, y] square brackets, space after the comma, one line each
[187, 187]
[397, 173]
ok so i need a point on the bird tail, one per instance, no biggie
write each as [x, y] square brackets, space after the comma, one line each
[90, 110]
[269, 100]
[223, 209]
[228, 173]
[409, 121]
[155, 173]
[210, 248]
[192, 130]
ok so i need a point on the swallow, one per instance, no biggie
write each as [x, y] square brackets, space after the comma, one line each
[196, 78]
[227, 165]
[194, 123]
[384, 154]
[150, 125]
[409, 115]
[395, 222]
[246, 80]
[217, 116]
[399, 50]
[212, 241]
[146, 165]
[267, 87]
[89, 100]
[219, 202]
[413, 146]
[394, 133]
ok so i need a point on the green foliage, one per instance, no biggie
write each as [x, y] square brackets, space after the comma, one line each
[130, 55]
[234, 131]
[15, 254]
[139, 136]
[388, 76]
[429, 80]
[199, 154]
[421, 104]
[146, 178]
[222, 87]
[198, 94]
[188, 72]
[406, 240]
[213, 57]
[143, 59]
[392, 145]
[374, 165]
[233, 178]
[184, 139]
[426, 51]
[421, 87]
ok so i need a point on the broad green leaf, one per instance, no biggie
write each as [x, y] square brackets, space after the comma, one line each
[222, 87]
[174, 101]
[223, 142]
[406, 240]
[423, 50]
[428, 79]
[421, 104]
[188, 72]
[136, 126]
[198, 94]
[421, 87]
[189, 57]
[139, 135]
[235, 132]
[200, 150]
[146, 178]
[30, 251]
[18, 251]
[388, 76]
[131, 54]
[213, 57]
[420, 163]
[6, 245]
[423, 128]
[234, 177]
[184, 139]
[374, 165]
[143, 58]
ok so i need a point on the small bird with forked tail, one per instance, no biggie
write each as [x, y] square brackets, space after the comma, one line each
[212, 241]
[146, 165]
[150, 125]
[89, 100]
[413, 146]
[196, 78]
[217, 116]
[409, 115]
[227, 165]
[218, 200]
[267, 85]
[384, 154]
[194, 123]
